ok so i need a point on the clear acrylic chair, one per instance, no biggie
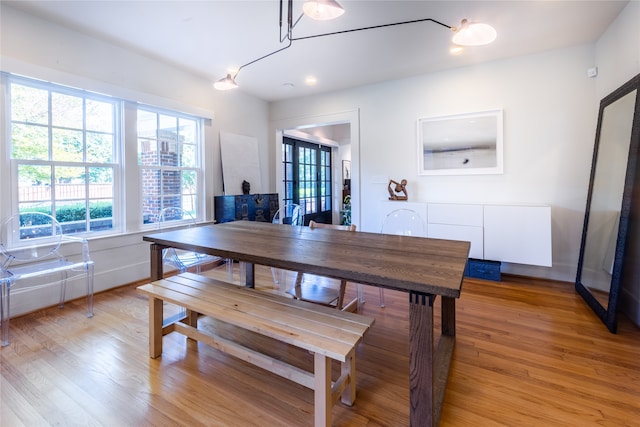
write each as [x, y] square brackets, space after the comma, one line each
[316, 289]
[404, 222]
[30, 245]
[182, 260]
[291, 214]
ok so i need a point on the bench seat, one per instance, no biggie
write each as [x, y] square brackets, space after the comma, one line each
[328, 333]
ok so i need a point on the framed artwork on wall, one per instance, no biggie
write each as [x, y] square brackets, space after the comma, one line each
[346, 170]
[461, 144]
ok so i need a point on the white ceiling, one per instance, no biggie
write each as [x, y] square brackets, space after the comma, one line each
[207, 37]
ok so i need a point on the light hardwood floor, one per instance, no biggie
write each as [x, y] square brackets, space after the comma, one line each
[528, 353]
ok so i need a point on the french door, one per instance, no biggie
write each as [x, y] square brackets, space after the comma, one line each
[307, 178]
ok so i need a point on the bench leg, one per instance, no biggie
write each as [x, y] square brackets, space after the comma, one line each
[322, 390]
[155, 327]
[348, 369]
[191, 319]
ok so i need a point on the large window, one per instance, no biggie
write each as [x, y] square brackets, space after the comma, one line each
[63, 152]
[167, 155]
[307, 178]
[68, 157]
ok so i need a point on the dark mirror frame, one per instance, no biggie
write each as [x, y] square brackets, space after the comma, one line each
[608, 315]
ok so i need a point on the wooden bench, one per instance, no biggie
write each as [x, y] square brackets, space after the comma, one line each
[328, 333]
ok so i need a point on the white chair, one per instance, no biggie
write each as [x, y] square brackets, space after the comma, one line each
[320, 293]
[404, 222]
[30, 244]
[291, 214]
[179, 259]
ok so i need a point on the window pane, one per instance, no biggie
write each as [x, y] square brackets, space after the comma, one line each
[101, 215]
[66, 111]
[187, 130]
[150, 194]
[147, 152]
[168, 154]
[189, 188]
[99, 148]
[66, 145]
[69, 175]
[101, 182]
[34, 183]
[29, 142]
[147, 124]
[35, 207]
[171, 185]
[99, 116]
[168, 128]
[29, 104]
[188, 158]
[72, 216]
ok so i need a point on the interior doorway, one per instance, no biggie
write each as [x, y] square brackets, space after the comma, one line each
[346, 148]
[308, 180]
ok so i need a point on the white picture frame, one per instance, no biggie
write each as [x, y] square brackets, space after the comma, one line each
[461, 144]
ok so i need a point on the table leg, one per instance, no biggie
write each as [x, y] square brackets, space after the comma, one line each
[448, 316]
[421, 359]
[156, 261]
[250, 275]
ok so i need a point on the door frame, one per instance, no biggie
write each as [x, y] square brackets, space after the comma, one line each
[278, 127]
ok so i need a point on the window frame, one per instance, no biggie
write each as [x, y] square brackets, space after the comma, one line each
[115, 165]
[127, 206]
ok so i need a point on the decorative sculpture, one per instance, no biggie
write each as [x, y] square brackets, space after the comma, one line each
[398, 190]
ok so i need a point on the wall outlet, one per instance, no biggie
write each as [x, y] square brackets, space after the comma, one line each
[592, 72]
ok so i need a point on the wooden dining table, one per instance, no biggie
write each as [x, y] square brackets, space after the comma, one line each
[423, 268]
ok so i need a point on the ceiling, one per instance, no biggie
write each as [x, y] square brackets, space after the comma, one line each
[208, 37]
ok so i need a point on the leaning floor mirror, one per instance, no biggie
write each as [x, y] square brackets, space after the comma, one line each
[610, 231]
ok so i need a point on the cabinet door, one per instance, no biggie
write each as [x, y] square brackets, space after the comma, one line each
[455, 214]
[518, 234]
[459, 232]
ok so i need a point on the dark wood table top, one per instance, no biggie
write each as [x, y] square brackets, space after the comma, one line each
[406, 263]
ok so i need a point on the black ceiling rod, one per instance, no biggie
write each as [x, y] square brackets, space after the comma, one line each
[371, 28]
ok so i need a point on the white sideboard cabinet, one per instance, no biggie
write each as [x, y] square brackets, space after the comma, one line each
[508, 233]
[457, 222]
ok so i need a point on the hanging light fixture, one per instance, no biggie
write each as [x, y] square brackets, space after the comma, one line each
[468, 34]
[226, 83]
[473, 34]
[322, 10]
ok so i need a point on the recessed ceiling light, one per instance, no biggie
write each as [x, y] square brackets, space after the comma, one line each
[456, 50]
[311, 80]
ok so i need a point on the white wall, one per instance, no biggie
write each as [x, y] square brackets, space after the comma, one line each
[549, 121]
[40, 49]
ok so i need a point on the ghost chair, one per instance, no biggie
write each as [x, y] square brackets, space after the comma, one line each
[403, 222]
[31, 246]
[290, 214]
[183, 260]
[318, 290]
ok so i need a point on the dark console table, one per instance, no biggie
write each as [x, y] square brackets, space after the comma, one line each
[248, 207]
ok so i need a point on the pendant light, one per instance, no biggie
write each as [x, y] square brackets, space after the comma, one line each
[322, 10]
[473, 34]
